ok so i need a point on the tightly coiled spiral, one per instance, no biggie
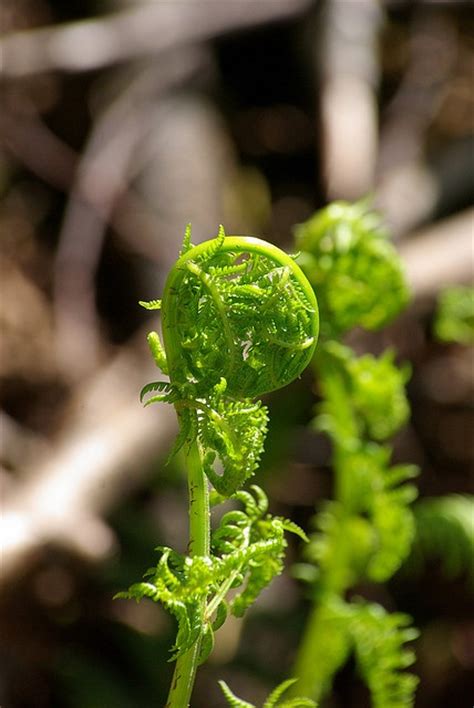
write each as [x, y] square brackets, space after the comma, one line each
[240, 319]
[239, 309]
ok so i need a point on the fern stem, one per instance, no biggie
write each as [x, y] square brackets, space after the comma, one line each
[306, 665]
[199, 540]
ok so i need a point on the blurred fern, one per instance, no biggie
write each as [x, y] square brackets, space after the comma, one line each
[353, 267]
[454, 319]
[367, 531]
[273, 700]
[379, 638]
[445, 530]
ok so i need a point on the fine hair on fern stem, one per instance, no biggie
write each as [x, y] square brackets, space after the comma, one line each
[239, 320]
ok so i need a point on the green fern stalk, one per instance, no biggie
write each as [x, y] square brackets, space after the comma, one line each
[366, 531]
[239, 319]
[199, 541]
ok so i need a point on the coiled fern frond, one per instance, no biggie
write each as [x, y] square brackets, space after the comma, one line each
[239, 320]
[357, 273]
[364, 397]
[237, 308]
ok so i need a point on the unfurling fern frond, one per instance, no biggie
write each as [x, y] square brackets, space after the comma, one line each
[273, 700]
[247, 553]
[239, 319]
[364, 397]
[355, 270]
[445, 530]
[255, 326]
[367, 531]
[454, 320]
[379, 638]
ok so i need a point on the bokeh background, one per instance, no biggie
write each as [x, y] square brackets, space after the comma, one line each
[120, 123]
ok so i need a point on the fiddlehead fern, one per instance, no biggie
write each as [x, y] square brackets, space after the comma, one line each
[348, 258]
[239, 320]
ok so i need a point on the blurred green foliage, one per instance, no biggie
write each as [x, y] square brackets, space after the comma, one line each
[355, 271]
[366, 531]
[445, 531]
[273, 700]
[454, 321]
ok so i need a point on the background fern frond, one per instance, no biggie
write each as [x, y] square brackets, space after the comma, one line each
[454, 319]
[232, 699]
[379, 639]
[445, 530]
[355, 270]
[298, 702]
[319, 661]
[273, 699]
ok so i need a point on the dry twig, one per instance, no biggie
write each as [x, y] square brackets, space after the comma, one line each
[102, 454]
[145, 29]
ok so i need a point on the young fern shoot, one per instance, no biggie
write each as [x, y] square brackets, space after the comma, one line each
[239, 319]
[365, 532]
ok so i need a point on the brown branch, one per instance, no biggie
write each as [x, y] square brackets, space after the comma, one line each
[402, 169]
[109, 162]
[102, 455]
[440, 255]
[148, 28]
[348, 66]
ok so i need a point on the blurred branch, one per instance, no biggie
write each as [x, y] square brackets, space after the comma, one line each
[347, 60]
[402, 168]
[108, 163]
[102, 455]
[108, 439]
[18, 445]
[41, 151]
[440, 255]
[147, 28]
